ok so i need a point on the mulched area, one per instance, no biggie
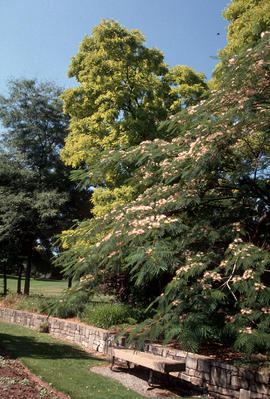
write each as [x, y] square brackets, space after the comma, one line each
[16, 382]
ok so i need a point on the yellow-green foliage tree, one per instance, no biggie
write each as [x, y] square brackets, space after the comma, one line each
[121, 95]
[125, 90]
[248, 18]
[187, 87]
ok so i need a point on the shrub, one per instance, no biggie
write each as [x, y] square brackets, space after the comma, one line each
[32, 303]
[107, 315]
[68, 306]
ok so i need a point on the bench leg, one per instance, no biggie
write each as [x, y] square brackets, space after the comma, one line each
[128, 364]
[150, 380]
[168, 379]
[112, 364]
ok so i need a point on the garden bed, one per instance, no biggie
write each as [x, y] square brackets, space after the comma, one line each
[16, 381]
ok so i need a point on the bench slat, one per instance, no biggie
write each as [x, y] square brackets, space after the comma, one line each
[157, 363]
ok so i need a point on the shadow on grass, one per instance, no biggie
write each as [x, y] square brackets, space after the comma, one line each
[23, 346]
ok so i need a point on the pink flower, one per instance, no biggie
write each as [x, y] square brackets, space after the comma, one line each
[111, 254]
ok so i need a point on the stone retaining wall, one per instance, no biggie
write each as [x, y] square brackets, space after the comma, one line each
[86, 336]
[220, 380]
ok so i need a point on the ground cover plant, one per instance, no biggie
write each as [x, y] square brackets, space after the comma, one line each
[30, 303]
[66, 367]
[48, 297]
[93, 310]
[16, 382]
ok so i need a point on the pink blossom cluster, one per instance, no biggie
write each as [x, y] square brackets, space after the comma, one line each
[86, 279]
[246, 311]
[112, 254]
[265, 310]
[248, 274]
[259, 286]
[136, 232]
[230, 319]
[247, 330]
[213, 275]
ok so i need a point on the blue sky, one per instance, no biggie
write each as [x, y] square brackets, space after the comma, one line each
[39, 37]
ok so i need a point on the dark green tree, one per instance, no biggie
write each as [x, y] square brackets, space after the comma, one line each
[38, 200]
[27, 214]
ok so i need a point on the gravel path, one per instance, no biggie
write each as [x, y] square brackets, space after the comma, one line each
[136, 379]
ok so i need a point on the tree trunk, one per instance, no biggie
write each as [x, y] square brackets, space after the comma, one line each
[28, 272]
[5, 279]
[69, 282]
[19, 282]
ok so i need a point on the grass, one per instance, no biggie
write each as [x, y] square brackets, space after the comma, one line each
[37, 286]
[65, 366]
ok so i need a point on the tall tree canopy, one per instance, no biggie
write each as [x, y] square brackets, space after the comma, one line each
[124, 93]
[35, 124]
[248, 18]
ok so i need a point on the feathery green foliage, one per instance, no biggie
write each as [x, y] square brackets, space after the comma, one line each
[200, 223]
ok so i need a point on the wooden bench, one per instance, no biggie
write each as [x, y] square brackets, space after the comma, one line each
[148, 360]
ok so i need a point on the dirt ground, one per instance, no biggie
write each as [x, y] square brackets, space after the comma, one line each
[16, 382]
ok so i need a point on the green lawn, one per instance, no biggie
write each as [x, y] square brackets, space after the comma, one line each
[38, 286]
[65, 366]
